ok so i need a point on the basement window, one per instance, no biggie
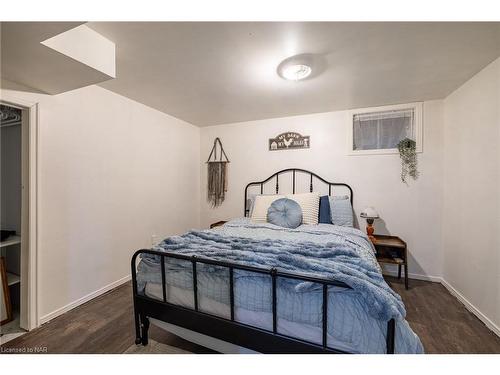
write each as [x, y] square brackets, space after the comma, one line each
[379, 130]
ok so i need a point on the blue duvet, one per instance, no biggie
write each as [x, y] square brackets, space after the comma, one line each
[357, 317]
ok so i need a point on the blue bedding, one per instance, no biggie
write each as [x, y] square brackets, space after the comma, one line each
[357, 317]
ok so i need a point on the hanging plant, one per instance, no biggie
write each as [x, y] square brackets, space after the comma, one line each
[408, 153]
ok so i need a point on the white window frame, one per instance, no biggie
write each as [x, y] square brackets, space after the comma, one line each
[418, 126]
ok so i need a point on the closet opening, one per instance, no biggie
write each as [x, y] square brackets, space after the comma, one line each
[17, 268]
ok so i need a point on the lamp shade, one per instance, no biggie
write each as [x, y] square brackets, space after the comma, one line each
[369, 213]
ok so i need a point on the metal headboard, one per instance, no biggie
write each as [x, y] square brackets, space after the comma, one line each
[312, 177]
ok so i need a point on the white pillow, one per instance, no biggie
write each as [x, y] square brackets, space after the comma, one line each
[251, 202]
[309, 202]
[261, 205]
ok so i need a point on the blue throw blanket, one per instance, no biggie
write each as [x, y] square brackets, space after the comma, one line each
[337, 260]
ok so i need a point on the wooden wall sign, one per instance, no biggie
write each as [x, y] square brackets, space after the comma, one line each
[289, 141]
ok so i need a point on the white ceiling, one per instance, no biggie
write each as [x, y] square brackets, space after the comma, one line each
[215, 73]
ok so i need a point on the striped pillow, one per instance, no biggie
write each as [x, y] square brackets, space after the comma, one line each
[309, 202]
[261, 205]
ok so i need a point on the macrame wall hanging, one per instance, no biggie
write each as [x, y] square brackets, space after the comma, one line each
[217, 175]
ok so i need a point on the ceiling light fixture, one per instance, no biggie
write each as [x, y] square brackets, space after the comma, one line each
[295, 68]
[296, 72]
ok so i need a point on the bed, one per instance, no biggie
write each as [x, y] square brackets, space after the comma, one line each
[256, 287]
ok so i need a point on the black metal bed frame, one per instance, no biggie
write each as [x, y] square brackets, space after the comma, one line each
[294, 172]
[230, 330]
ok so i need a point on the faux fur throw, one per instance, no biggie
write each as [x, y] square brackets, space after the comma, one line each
[339, 261]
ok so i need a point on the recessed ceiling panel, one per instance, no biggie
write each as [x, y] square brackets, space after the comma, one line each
[56, 68]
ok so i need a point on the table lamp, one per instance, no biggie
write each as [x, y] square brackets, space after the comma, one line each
[370, 215]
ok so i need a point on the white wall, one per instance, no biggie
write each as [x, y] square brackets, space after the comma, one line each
[471, 208]
[113, 172]
[412, 212]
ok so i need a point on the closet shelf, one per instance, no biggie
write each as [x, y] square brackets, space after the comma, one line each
[13, 279]
[12, 240]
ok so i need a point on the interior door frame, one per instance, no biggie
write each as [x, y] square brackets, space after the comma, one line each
[29, 318]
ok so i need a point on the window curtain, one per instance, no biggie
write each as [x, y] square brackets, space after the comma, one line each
[382, 130]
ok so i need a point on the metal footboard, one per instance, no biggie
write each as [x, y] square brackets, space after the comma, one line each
[230, 330]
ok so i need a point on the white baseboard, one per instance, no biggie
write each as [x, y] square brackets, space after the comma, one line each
[473, 309]
[44, 319]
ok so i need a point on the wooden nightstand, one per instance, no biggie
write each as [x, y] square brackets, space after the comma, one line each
[392, 250]
[217, 224]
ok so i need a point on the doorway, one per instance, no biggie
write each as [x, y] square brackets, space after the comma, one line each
[18, 177]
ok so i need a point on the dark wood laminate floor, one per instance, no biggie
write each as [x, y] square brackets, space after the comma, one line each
[442, 322]
[105, 325]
